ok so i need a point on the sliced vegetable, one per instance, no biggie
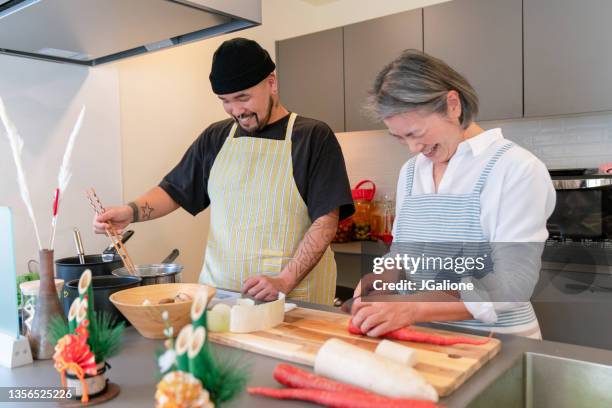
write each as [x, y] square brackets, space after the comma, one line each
[219, 318]
[402, 354]
[350, 364]
[245, 302]
[339, 399]
[408, 334]
[247, 319]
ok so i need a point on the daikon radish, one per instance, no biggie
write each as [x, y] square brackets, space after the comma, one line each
[350, 364]
[245, 302]
[396, 352]
[247, 319]
[219, 318]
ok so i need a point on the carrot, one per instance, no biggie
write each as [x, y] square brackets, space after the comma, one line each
[295, 377]
[408, 334]
[339, 399]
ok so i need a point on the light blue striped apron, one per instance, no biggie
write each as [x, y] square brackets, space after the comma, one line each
[432, 220]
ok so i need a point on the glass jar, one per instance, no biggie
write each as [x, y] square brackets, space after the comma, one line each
[362, 226]
[29, 293]
[344, 232]
[382, 219]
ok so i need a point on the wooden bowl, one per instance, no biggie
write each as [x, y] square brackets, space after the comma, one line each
[147, 319]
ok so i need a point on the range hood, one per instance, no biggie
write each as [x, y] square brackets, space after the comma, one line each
[92, 32]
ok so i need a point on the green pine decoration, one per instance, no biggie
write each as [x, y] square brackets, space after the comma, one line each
[105, 342]
[223, 376]
[58, 328]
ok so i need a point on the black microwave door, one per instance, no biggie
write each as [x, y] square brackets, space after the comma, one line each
[579, 214]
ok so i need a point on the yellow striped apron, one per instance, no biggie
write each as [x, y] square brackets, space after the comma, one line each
[258, 218]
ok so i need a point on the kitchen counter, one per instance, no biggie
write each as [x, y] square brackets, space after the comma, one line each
[134, 370]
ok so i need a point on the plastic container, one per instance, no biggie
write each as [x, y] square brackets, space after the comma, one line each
[29, 294]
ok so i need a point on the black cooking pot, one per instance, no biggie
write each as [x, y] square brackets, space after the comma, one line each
[103, 287]
[70, 269]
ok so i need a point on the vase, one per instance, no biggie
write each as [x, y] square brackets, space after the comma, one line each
[96, 384]
[47, 307]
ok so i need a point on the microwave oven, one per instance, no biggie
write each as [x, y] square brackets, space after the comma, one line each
[583, 211]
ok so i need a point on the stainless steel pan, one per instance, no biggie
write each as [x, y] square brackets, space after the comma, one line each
[153, 274]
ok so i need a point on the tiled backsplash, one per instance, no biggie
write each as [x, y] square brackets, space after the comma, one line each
[560, 142]
[563, 142]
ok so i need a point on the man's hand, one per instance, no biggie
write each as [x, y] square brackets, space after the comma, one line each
[378, 318]
[265, 288]
[118, 217]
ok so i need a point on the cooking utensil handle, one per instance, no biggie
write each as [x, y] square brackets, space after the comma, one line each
[170, 258]
[111, 248]
[79, 245]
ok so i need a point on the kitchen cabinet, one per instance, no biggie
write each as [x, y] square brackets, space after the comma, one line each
[567, 58]
[482, 40]
[368, 47]
[310, 75]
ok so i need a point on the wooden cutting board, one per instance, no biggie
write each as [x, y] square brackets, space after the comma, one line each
[305, 330]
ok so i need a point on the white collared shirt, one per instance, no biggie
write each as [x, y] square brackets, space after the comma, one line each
[516, 200]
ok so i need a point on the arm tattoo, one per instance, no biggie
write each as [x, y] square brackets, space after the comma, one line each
[135, 215]
[146, 211]
[313, 246]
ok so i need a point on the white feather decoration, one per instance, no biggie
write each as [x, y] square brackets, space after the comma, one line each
[64, 175]
[16, 144]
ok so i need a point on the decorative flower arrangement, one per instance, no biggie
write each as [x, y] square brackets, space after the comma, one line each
[85, 343]
[192, 376]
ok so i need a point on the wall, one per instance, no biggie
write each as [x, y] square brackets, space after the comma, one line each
[560, 142]
[166, 101]
[563, 142]
[43, 100]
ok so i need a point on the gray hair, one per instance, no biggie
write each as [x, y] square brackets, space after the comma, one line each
[416, 80]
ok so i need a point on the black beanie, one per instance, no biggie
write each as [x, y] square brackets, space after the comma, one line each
[239, 64]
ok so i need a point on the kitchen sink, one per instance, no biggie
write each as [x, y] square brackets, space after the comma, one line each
[541, 381]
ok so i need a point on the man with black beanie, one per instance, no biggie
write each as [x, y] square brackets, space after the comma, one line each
[275, 182]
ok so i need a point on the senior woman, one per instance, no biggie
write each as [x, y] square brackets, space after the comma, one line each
[464, 184]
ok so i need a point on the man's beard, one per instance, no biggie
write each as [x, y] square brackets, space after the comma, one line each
[260, 123]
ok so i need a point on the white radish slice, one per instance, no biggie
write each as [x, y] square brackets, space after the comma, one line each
[245, 302]
[247, 319]
[218, 318]
[350, 364]
[402, 354]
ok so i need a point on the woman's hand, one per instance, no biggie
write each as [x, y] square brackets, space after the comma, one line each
[606, 168]
[378, 318]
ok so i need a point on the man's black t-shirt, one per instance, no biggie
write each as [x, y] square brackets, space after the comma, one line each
[318, 166]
